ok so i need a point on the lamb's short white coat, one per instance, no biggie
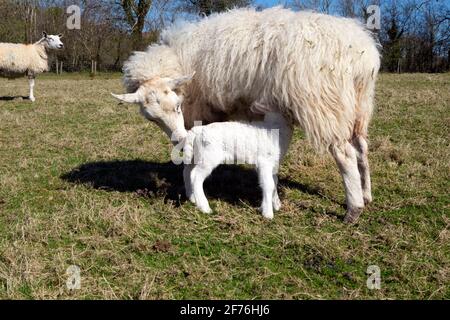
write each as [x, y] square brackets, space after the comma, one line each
[18, 59]
[260, 143]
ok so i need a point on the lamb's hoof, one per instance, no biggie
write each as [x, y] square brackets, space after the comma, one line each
[205, 210]
[367, 199]
[32, 99]
[277, 205]
[192, 199]
[352, 215]
[268, 214]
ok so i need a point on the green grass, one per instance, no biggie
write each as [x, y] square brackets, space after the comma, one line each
[87, 182]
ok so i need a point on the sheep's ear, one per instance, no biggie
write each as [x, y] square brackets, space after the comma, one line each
[44, 34]
[128, 98]
[176, 83]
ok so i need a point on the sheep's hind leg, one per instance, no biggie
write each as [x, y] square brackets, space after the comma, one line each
[31, 81]
[362, 150]
[198, 175]
[346, 160]
[268, 186]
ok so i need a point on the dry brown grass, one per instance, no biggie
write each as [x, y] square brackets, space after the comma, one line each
[86, 182]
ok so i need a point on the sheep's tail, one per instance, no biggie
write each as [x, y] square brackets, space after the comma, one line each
[188, 148]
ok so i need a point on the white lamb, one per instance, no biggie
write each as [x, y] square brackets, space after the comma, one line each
[29, 59]
[262, 144]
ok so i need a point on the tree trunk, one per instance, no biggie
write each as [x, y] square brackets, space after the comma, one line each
[135, 14]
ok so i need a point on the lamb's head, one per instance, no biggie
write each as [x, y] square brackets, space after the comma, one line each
[52, 42]
[161, 104]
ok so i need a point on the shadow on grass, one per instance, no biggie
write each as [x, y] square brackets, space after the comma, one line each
[230, 183]
[11, 98]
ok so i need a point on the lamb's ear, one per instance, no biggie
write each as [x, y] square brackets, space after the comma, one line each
[176, 83]
[128, 98]
[44, 34]
[60, 35]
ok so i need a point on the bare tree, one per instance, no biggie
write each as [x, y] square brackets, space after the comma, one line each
[135, 15]
[315, 5]
[415, 34]
[207, 7]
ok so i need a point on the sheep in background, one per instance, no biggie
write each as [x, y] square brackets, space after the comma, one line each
[17, 60]
[262, 144]
[318, 70]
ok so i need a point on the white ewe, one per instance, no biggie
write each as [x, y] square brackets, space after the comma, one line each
[262, 144]
[318, 70]
[17, 60]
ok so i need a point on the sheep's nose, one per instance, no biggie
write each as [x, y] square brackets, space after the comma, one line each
[61, 46]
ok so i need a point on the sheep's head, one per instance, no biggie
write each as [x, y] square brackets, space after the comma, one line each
[161, 104]
[52, 41]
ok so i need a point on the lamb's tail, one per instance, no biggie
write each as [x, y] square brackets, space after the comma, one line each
[188, 148]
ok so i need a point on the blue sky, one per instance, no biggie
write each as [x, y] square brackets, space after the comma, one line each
[267, 3]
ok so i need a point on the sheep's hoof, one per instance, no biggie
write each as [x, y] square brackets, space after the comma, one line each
[32, 99]
[352, 215]
[192, 199]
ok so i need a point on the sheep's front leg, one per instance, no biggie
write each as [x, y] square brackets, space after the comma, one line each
[268, 186]
[276, 199]
[31, 80]
[198, 175]
[188, 183]
[348, 165]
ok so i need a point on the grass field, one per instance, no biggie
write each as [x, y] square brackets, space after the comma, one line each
[87, 182]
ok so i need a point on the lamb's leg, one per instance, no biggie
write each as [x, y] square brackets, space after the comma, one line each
[188, 183]
[198, 175]
[31, 80]
[268, 185]
[275, 199]
[362, 151]
[346, 160]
